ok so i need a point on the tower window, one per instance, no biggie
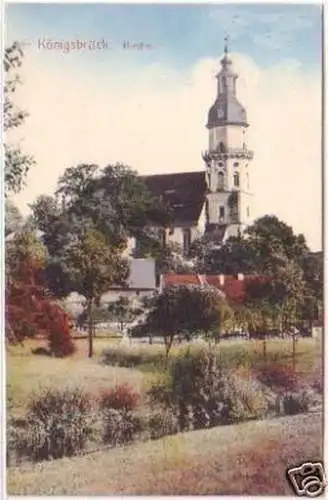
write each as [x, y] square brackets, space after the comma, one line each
[248, 212]
[186, 240]
[236, 179]
[221, 212]
[220, 164]
[236, 164]
[247, 178]
[221, 180]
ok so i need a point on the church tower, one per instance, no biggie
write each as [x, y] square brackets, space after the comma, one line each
[228, 200]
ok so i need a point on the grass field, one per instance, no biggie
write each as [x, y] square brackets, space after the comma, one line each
[249, 458]
[27, 373]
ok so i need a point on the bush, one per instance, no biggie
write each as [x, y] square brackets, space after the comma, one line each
[17, 443]
[278, 377]
[243, 400]
[132, 356]
[122, 397]
[59, 337]
[162, 422]
[120, 421]
[298, 402]
[202, 394]
[41, 351]
[59, 423]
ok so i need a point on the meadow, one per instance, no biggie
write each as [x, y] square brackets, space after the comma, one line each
[249, 457]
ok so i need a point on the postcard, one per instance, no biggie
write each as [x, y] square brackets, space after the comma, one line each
[163, 187]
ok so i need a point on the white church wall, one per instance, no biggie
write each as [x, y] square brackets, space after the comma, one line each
[175, 235]
[235, 136]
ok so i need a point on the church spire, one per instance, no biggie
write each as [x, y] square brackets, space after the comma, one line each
[226, 40]
[226, 61]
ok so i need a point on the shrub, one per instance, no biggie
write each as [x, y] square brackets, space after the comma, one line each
[120, 421]
[17, 443]
[59, 338]
[298, 402]
[41, 351]
[278, 377]
[162, 422]
[243, 400]
[59, 423]
[120, 426]
[203, 394]
[120, 398]
[132, 356]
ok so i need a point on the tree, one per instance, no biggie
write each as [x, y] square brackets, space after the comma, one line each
[91, 266]
[123, 312]
[45, 211]
[263, 246]
[168, 257]
[29, 307]
[185, 311]
[25, 258]
[13, 218]
[280, 295]
[17, 164]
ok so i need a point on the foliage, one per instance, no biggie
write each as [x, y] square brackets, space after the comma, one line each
[29, 309]
[297, 402]
[168, 257]
[277, 376]
[131, 356]
[56, 323]
[58, 423]
[280, 296]
[13, 218]
[123, 311]
[162, 422]
[45, 211]
[118, 412]
[87, 236]
[122, 397]
[17, 163]
[203, 394]
[186, 311]
[25, 257]
[90, 266]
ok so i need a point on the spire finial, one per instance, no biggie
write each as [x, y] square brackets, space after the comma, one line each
[226, 41]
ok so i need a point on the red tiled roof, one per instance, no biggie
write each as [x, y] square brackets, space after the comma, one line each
[232, 287]
[180, 279]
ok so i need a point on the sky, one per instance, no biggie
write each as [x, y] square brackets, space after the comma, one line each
[148, 107]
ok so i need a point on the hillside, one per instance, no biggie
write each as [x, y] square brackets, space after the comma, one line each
[249, 458]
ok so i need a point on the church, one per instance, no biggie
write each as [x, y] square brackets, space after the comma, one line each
[217, 198]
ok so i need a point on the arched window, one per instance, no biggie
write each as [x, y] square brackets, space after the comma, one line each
[236, 179]
[221, 180]
[247, 179]
[248, 212]
[236, 164]
[221, 213]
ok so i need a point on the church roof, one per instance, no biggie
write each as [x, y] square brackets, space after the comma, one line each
[226, 111]
[184, 192]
